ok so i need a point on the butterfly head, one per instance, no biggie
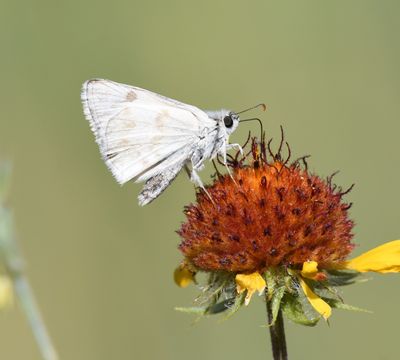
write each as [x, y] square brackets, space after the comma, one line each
[226, 118]
[231, 121]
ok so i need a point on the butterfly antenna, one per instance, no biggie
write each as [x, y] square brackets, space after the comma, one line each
[259, 121]
[263, 106]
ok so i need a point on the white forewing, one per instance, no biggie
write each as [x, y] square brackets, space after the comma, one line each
[139, 132]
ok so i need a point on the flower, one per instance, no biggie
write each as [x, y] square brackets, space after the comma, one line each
[274, 224]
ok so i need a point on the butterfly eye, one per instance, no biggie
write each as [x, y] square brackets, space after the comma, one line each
[228, 121]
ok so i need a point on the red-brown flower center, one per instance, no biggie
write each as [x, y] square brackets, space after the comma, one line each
[267, 215]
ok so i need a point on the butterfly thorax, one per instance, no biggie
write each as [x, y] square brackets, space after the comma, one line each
[214, 138]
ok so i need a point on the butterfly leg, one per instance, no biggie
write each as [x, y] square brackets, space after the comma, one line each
[235, 146]
[195, 178]
[223, 154]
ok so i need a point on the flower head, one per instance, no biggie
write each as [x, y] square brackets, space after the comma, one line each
[267, 214]
[273, 223]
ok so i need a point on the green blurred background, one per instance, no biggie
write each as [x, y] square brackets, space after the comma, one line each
[101, 267]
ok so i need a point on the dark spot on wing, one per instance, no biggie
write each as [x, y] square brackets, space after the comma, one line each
[131, 96]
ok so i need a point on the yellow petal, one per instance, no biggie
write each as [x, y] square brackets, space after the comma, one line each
[250, 282]
[310, 269]
[6, 292]
[316, 302]
[183, 277]
[382, 259]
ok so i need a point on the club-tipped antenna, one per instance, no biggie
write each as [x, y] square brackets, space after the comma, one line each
[263, 106]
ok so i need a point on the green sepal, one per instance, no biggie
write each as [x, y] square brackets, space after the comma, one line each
[220, 307]
[230, 306]
[218, 296]
[294, 311]
[276, 303]
[237, 304]
[197, 310]
[324, 290]
[331, 296]
[270, 278]
[278, 283]
[218, 283]
[276, 288]
[337, 304]
[343, 277]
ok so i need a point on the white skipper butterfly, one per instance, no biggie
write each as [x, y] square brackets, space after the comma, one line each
[148, 137]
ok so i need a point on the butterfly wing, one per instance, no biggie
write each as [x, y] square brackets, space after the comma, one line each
[157, 180]
[138, 130]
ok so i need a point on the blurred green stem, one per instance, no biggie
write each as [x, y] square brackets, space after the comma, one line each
[12, 262]
[277, 333]
[28, 303]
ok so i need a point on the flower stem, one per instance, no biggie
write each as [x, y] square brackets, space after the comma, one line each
[13, 265]
[277, 333]
[28, 303]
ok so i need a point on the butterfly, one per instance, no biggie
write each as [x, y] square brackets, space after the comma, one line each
[147, 137]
